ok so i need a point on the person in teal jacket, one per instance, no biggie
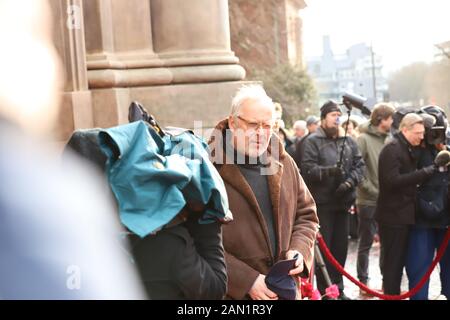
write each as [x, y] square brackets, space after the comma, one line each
[173, 201]
[153, 178]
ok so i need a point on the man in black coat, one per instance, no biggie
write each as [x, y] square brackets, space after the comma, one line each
[395, 213]
[332, 185]
[183, 261]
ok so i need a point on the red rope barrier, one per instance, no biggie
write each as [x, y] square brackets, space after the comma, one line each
[405, 295]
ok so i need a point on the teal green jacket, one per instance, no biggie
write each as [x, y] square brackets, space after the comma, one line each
[153, 178]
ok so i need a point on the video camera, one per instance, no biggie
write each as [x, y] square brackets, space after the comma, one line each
[351, 100]
[434, 120]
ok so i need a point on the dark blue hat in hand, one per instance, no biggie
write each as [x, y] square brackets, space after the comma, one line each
[279, 281]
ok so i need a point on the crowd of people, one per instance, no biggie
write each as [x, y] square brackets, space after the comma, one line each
[401, 190]
[236, 218]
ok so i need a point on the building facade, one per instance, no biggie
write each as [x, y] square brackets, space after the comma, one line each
[266, 33]
[358, 71]
[174, 56]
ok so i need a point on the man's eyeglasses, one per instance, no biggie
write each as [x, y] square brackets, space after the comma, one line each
[253, 125]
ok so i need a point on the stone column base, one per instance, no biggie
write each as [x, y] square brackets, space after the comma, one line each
[75, 112]
[116, 78]
[172, 105]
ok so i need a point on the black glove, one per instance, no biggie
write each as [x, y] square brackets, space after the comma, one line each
[430, 169]
[442, 159]
[343, 188]
[334, 172]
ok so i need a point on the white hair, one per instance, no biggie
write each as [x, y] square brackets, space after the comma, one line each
[300, 124]
[249, 92]
[410, 120]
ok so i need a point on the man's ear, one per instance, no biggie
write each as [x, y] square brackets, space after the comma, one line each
[231, 123]
[403, 130]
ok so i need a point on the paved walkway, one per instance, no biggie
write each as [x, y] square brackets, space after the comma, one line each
[375, 277]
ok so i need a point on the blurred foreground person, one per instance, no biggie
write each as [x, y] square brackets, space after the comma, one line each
[59, 237]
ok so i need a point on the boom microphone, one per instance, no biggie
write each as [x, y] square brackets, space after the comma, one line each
[353, 100]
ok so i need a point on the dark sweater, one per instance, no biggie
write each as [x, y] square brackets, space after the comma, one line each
[260, 187]
[251, 170]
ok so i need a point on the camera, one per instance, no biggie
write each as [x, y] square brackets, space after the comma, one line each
[351, 100]
[436, 127]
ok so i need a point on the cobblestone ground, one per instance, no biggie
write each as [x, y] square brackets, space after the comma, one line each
[353, 291]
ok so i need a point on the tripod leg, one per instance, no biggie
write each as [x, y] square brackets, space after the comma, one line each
[321, 264]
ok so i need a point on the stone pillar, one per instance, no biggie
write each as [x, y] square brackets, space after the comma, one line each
[119, 54]
[118, 34]
[76, 106]
[139, 50]
[294, 27]
[199, 36]
[198, 32]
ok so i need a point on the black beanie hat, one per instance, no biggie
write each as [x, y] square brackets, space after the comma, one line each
[329, 106]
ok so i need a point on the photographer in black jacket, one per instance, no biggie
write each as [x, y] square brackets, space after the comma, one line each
[332, 186]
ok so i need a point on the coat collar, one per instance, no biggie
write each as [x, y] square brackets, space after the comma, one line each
[412, 151]
[231, 174]
[372, 130]
[403, 140]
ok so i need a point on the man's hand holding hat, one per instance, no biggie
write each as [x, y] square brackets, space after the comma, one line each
[259, 290]
[299, 265]
[280, 278]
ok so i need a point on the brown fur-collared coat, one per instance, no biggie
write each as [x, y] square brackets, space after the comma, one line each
[246, 239]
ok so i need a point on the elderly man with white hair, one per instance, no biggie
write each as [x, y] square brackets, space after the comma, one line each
[59, 238]
[274, 213]
[300, 129]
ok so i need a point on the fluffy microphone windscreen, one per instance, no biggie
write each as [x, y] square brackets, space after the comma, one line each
[442, 159]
